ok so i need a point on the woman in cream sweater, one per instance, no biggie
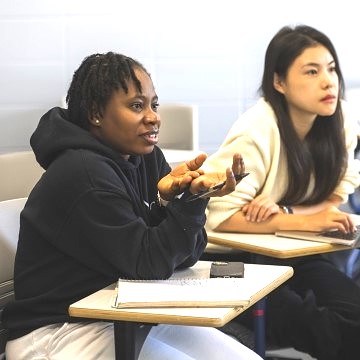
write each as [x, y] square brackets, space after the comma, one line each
[299, 150]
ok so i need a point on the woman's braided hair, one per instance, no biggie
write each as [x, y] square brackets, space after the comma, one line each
[94, 82]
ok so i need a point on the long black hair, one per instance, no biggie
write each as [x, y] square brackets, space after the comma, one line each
[323, 151]
[94, 82]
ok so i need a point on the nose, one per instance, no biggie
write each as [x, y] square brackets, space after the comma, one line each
[152, 116]
[328, 79]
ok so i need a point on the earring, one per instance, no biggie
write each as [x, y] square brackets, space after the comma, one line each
[97, 121]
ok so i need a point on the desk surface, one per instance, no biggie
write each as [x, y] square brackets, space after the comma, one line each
[271, 245]
[262, 279]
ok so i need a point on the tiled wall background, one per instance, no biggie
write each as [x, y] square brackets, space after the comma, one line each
[207, 52]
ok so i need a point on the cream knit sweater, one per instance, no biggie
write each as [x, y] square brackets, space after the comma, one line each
[256, 137]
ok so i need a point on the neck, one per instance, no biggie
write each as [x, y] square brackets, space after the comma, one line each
[302, 122]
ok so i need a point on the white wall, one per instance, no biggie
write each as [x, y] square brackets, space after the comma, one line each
[199, 51]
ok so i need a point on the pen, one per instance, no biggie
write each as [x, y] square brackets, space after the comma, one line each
[218, 186]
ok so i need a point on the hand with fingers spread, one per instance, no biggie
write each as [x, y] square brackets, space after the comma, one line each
[207, 180]
[181, 177]
[260, 209]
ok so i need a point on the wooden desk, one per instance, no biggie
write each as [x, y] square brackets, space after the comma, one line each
[271, 245]
[261, 279]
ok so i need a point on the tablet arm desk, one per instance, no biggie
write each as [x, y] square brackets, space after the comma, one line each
[131, 326]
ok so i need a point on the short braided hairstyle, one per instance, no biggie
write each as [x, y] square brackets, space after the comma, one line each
[94, 82]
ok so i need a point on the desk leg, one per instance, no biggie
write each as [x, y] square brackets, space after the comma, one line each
[129, 337]
[259, 327]
[259, 320]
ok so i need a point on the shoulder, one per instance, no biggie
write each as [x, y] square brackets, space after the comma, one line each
[88, 169]
[258, 123]
[255, 135]
[80, 159]
[261, 109]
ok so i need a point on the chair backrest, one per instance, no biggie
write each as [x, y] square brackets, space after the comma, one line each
[179, 127]
[19, 173]
[9, 232]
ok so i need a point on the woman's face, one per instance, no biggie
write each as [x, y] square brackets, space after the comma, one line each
[311, 86]
[130, 122]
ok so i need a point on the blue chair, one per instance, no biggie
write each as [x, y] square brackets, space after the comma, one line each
[352, 97]
[355, 253]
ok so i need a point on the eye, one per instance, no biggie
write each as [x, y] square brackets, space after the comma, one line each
[155, 106]
[137, 106]
[332, 68]
[312, 72]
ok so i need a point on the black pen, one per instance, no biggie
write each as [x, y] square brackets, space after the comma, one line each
[216, 187]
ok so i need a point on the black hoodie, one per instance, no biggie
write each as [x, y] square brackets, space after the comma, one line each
[91, 219]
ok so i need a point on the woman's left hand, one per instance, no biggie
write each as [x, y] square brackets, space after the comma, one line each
[260, 209]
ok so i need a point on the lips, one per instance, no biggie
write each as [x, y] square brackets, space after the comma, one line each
[151, 136]
[328, 98]
[151, 133]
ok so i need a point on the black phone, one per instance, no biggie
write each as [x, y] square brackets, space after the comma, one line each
[204, 194]
[227, 269]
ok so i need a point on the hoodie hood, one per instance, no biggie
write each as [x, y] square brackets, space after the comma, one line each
[55, 134]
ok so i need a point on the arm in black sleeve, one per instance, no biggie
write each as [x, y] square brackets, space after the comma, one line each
[115, 240]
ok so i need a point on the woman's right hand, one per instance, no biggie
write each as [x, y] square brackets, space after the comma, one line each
[181, 177]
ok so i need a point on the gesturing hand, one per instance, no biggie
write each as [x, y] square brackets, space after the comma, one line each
[189, 174]
[207, 180]
[181, 177]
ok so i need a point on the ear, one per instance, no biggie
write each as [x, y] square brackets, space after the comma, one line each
[94, 116]
[278, 83]
[95, 121]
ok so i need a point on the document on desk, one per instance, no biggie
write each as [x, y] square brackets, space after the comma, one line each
[210, 292]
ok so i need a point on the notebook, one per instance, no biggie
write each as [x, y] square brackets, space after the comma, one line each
[190, 287]
[331, 237]
[211, 292]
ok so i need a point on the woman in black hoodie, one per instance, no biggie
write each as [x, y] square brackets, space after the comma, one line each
[95, 216]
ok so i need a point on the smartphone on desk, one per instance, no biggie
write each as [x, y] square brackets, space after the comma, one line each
[206, 193]
[233, 269]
